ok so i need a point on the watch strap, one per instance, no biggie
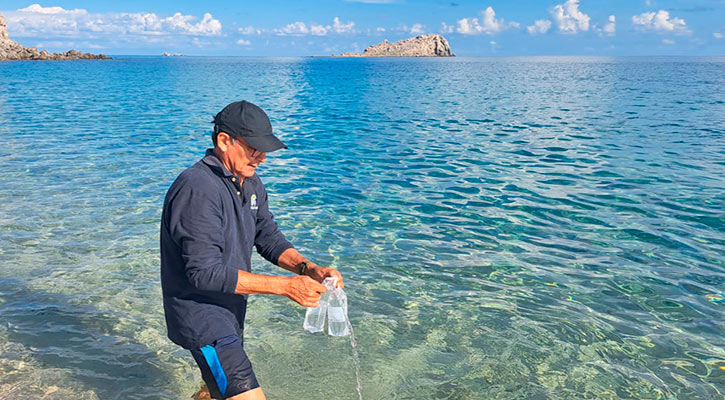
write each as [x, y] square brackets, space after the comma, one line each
[302, 268]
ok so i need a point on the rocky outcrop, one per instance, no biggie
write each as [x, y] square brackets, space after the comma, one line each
[3, 30]
[11, 50]
[421, 46]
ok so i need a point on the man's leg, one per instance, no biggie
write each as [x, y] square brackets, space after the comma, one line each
[227, 371]
[202, 393]
[254, 394]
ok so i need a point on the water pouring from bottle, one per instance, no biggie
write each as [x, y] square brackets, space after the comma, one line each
[333, 305]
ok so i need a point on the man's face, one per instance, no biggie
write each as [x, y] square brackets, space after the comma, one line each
[239, 157]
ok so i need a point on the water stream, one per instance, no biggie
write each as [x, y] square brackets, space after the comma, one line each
[355, 359]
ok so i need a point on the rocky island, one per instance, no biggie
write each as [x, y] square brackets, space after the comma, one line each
[421, 46]
[12, 50]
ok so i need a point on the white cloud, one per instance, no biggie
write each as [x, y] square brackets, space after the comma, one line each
[152, 24]
[318, 30]
[38, 9]
[659, 22]
[489, 24]
[540, 26]
[44, 22]
[717, 35]
[445, 28]
[416, 29]
[339, 27]
[469, 26]
[243, 42]
[295, 28]
[568, 17]
[668, 41]
[610, 28]
[250, 30]
[207, 26]
[380, 29]
[301, 29]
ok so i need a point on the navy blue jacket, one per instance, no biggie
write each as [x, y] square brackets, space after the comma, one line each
[208, 229]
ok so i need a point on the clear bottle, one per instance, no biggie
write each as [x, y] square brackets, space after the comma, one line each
[315, 316]
[337, 324]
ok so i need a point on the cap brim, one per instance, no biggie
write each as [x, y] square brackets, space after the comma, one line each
[266, 143]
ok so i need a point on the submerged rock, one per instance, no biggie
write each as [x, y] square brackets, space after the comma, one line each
[12, 50]
[421, 46]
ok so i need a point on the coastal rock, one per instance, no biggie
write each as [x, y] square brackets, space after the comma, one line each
[421, 46]
[12, 50]
[3, 30]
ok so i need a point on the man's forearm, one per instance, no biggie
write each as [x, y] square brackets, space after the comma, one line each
[249, 283]
[302, 289]
[290, 259]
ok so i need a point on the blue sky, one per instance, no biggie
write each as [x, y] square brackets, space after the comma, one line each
[299, 28]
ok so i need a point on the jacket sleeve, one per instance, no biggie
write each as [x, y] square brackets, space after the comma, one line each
[195, 223]
[270, 242]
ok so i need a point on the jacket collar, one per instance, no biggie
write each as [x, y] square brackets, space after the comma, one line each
[215, 164]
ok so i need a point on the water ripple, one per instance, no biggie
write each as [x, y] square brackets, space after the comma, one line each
[532, 227]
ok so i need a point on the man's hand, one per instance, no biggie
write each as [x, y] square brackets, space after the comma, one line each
[319, 273]
[290, 260]
[304, 290]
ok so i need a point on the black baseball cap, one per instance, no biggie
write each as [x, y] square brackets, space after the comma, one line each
[246, 120]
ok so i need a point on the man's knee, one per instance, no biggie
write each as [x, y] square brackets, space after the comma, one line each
[254, 394]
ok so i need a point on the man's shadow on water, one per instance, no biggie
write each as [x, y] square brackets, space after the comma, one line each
[80, 340]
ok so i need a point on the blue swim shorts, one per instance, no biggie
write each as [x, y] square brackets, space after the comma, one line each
[225, 367]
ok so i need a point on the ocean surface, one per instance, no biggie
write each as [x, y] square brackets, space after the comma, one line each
[508, 228]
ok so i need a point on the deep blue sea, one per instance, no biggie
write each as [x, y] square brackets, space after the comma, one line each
[508, 228]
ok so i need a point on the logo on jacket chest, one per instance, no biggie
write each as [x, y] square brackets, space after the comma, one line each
[253, 202]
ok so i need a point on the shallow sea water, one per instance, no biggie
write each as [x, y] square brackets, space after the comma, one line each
[508, 228]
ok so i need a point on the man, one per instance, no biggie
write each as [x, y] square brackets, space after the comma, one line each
[214, 214]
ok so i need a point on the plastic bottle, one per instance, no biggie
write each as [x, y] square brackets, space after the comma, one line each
[315, 316]
[337, 324]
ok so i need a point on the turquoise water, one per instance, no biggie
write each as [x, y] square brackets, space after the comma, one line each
[508, 228]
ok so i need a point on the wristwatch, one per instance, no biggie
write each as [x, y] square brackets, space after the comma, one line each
[303, 268]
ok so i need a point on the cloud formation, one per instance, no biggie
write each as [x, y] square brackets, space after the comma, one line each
[445, 28]
[339, 27]
[38, 21]
[250, 30]
[489, 24]
[610, 28]
[659, 22]
[417, 29]
[539, 27]
[569, 19]
[301, 29]
[38, 9]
